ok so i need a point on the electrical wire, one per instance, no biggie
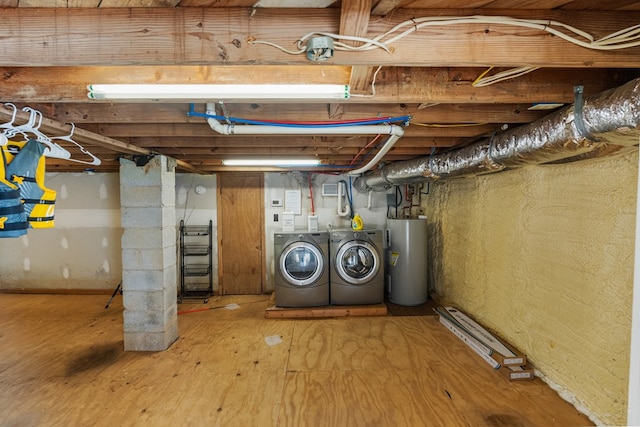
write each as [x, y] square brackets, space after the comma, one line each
[512, 73]
[623, 39]
[373, 86]
[363, 149]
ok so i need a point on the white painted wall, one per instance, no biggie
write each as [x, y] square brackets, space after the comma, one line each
[83, 251]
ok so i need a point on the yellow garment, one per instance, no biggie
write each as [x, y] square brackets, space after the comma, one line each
[26, 167]
[13, 221]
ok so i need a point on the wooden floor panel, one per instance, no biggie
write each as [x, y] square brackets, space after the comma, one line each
[62, 363]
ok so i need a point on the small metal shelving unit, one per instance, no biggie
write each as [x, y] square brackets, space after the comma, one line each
[196, 261]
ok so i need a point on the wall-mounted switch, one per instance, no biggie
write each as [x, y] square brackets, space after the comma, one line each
[275, 217]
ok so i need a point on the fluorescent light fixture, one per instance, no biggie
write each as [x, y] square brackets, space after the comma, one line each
[271, 162]
[217, 92]
[545, 106]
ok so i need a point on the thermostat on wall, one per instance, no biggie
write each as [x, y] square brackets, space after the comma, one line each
[276, 203]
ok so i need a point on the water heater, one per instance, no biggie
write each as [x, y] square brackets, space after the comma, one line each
[406, 241]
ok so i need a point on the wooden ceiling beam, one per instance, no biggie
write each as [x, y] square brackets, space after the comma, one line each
[393, 84]
[227, 36]
[69, 83]
[160, 116]
[354, 20]
[82, 136]
[292, 141]
[214, 153]
[440, 115]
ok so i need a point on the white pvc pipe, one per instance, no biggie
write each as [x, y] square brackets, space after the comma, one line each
[398, 132]
[394, 132]
[347, 209]
[229, 129]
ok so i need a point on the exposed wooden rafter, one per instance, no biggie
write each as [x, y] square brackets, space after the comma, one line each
[83, 136]
[219, 36]
[49, 55]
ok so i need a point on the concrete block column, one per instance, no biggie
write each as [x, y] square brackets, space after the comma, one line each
[149, 266]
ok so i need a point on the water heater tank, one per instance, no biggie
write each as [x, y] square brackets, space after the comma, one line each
[407, 269]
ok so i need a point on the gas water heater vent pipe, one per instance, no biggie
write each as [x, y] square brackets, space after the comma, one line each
[394, 132]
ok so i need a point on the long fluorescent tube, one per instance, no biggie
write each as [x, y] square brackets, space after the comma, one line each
[270, 162]
[217, 92]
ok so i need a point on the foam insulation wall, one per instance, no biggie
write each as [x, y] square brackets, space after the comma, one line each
[544, 256]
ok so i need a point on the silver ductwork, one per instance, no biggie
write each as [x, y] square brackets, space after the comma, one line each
[596, 126]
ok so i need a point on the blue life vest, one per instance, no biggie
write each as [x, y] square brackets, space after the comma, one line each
[12, 217]
[26, 168]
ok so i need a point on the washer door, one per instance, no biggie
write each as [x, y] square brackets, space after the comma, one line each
[357, 262]
[301, 264]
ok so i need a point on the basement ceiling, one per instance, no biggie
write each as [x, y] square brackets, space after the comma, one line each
[52, 49]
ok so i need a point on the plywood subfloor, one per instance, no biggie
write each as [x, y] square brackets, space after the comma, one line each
[62, 363]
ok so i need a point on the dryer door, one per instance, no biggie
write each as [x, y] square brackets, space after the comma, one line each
[357, 262]
[301, 264]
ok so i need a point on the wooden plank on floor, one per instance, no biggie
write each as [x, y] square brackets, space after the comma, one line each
[325, 311]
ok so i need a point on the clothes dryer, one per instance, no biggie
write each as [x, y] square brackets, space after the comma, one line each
[302, 269]
[357, 267]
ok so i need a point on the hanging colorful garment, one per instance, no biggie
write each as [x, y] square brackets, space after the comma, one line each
[13, 222]
[26, 168]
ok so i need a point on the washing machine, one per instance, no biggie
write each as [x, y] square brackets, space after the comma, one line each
[302, 268]
[357, 267]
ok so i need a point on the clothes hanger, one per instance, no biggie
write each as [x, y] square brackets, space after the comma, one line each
[3, 138]
[96, 161]
[32, 127]
[52, 149]
[12, 129]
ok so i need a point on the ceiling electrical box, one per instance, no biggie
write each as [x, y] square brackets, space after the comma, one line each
[330, 189]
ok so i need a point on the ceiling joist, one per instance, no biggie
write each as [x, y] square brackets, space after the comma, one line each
[393, 84]
[226, 36]
[82, 136]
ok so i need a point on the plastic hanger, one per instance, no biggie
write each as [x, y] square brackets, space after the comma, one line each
[52, 149]
[32, 128]
[3, 138]
[12, 129]
[95, 160]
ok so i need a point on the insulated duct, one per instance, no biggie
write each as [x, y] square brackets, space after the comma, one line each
[593, 127]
